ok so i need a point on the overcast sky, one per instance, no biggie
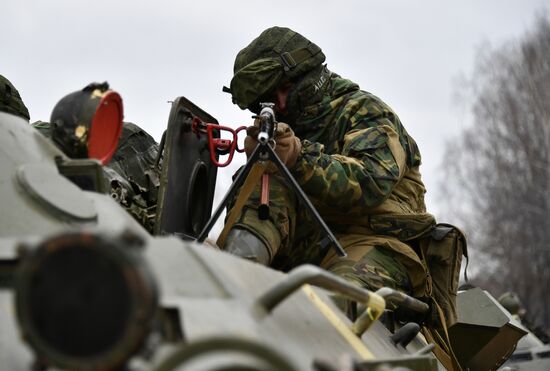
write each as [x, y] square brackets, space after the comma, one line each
[406, 52]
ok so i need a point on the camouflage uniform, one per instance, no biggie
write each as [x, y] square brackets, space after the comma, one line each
[10, 100]
[360, 169]
[134, 176]
[131, 175]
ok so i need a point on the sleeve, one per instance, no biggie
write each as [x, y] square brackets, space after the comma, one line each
[371, 163]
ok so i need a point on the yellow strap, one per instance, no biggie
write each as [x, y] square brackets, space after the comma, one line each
[443, 349]
[441, 355]
[446, 339]
[353, 340]
[244, 194]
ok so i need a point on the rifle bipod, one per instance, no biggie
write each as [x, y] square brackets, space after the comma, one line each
[263, 152]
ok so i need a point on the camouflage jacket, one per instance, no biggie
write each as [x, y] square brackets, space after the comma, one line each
[358, 164]
[133, 174]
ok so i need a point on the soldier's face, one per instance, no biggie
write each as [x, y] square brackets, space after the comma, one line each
[280, 98]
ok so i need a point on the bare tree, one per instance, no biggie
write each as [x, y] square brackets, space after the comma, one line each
[497, 175]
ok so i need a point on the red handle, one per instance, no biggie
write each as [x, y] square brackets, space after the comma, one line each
[218, 145]
[239, 129]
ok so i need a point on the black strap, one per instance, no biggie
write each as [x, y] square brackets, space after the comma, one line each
[297, 56]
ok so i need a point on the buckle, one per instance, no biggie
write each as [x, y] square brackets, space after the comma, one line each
[288, 61]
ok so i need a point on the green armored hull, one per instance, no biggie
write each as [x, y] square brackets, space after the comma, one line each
[84, 286]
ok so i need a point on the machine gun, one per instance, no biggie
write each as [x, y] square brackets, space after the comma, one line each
[264, 152]
[268, 128]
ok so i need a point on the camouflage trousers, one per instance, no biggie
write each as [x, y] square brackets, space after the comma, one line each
[293, 238]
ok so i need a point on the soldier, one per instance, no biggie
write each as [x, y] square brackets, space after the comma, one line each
[135, 163]
[353, 158]
[132, 175]
[512, 303]
[10, 100]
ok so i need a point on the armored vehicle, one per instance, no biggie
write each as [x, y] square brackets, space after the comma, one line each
[84, 286]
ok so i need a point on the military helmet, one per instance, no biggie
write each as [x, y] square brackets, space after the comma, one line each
[510, 301]
[10, 100]
[276, 56]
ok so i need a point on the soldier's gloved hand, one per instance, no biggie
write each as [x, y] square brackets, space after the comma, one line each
[287, 147]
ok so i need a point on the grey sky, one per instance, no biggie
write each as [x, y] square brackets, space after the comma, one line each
[406, 52]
